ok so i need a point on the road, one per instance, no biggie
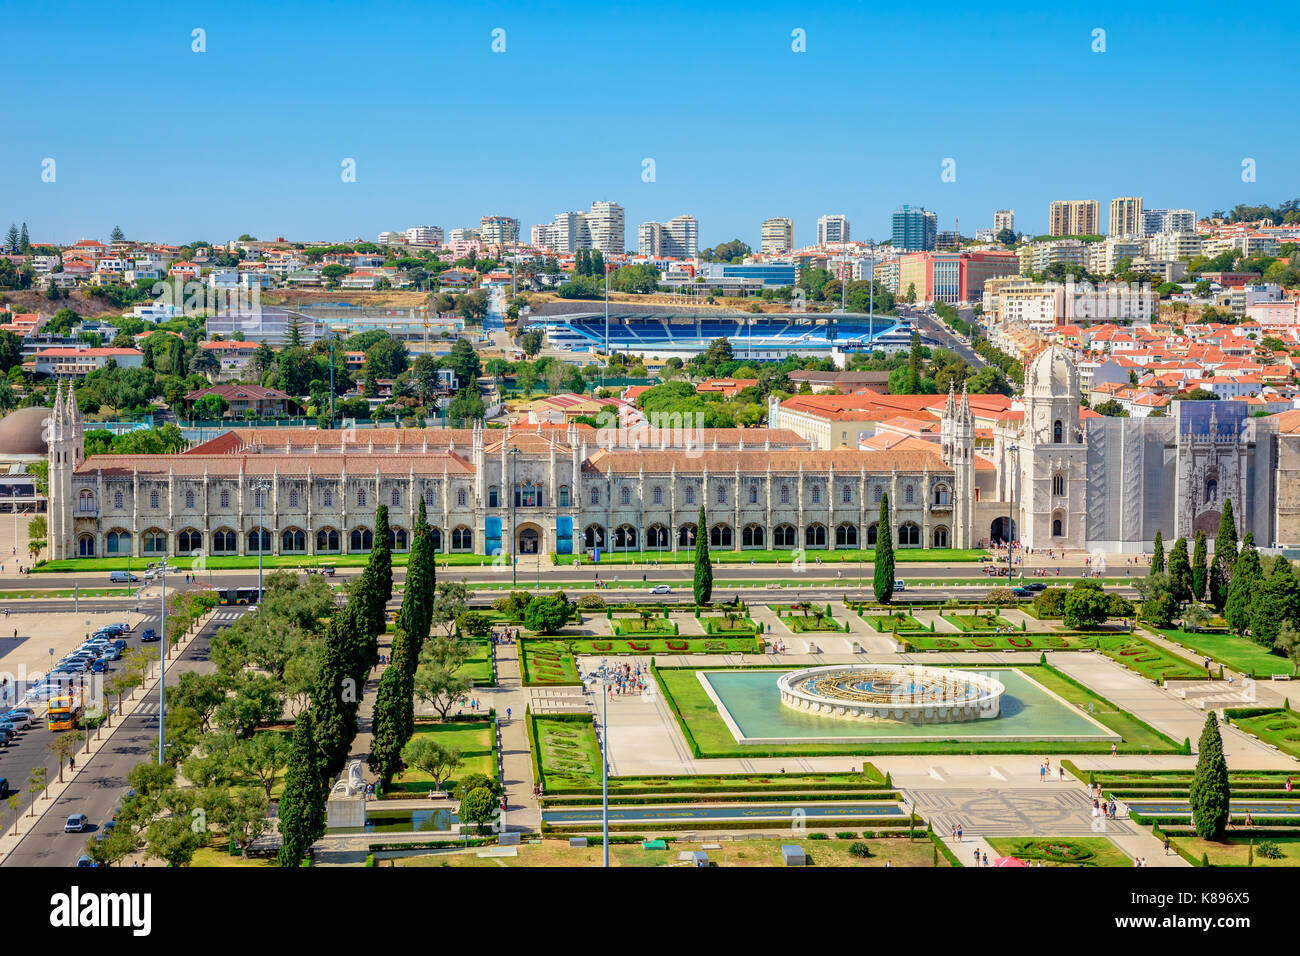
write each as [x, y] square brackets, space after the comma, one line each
[101, 782]
[935, 328]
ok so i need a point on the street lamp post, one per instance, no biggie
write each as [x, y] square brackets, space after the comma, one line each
[603, 677]
[162, 663]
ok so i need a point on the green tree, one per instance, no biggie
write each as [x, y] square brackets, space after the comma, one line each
[415, 616]
[1085, 605]
[1180, 572]
[1200, 569]
[438, 682]
[1225, 558]
[883, 580]
[1158, 554]
[302, 804]
[1247, 576]
[479, 807]
[381, 555]
[394, 720]
[703, 583]
[1276, 602]
[1210, 793]
[546, 615]
[334, 697]
[425, 754]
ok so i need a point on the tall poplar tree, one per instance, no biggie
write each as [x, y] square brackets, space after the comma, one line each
[1158, 554]
[1247, 576]
[301, 810]
[1225, 558]
[703, 584]
[1180, 572]
[334, 696]
[394, 716]
[416, 614]
[883, 581]
[1210, 793]
[1200, 569]
[381, 555]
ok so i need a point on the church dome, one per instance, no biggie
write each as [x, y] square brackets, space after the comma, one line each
[1052, 374]
[22, 433]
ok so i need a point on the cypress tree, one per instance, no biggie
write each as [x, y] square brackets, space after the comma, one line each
[1200, 572]
[1210, 793]
[883, 581]
[302, 805]
[1246, 579]
[1180, 572]
[703, 584]
[1158, 554]
[381, 555]
[416, 614]
[334, 696]
[1225, 556]
[394, 717]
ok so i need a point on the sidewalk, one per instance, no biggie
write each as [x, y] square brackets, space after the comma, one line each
[522, 812]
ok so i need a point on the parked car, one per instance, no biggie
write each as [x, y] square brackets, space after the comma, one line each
[18, 718]
[4, 786]
[7, 734]
[661, 589]
[1022, 592]
[112, 654]
[31, 714]
[120, 644]
[84, 860]
[98, 667]
[900, 585]
[148, 636]
[121, 577]
[76, 823]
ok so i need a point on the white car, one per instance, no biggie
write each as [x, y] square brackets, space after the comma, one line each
[661, 589]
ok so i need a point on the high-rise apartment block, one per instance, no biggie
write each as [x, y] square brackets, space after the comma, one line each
[914, 229]
[1074, 217]
[1125, 216]
[777, 236]
[679, 238]
[600, 228]
[1004, 219]
[463, 234]
[1156, 221]
[425, 235]
[499, 230]
[832, 228]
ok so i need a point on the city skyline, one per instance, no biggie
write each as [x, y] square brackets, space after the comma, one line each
[271, 165]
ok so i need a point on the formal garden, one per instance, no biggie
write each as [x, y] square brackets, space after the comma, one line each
[441, 753]
[1060, 851]
[806, 617]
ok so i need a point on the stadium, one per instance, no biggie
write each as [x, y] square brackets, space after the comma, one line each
[767, 337]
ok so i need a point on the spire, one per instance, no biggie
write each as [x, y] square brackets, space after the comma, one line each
[951, 408]
[74, 413]
[966, 415]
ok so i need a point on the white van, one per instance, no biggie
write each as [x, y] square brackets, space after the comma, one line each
[121, 577]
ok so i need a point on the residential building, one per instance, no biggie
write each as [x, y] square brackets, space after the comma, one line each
[832, 228]
[425, 235]
[678, 238]
[241, 400]
[953, 277]
[1004, 219]
[1074, 217]
[1168, 220]
[1174, 245]
[1125, 216]
[605, 223]
[463, 234]
[914, 229]
[499, 230]
[77, 362]
[777, 236]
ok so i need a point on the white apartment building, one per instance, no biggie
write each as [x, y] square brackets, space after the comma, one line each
[499, 230]
[1004, 219]
[605, 222]
[1103, 256]
[1015, 301]
[832, 228]
[1125, 216]
[1035, 257]
[678, 238]
[1155, 221]
[425, 235]
[463, 234]
[1174, 245]
[776, 236]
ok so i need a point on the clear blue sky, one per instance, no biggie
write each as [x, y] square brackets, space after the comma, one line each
[249, 136]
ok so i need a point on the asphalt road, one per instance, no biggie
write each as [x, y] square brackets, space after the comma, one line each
[99, 787]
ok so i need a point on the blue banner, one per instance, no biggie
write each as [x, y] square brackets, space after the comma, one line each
[564, 535]
[492, 534]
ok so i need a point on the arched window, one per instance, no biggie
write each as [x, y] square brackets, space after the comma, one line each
[397, 539]
[428, 498]
[785, 494]
[1056, 528]
[395, 498]
[326, 498]
[327, 540]
[1211, 491]
[225, 499]
[435, 537]
[909, 495]
[784, 536]
[1058, 484]
[722, 494]
[940, 537]
[846, 495]
[751, 536]
[656, 537]
[361, 539]
[86, 546]
[909, 535]
[873, 530]
[720, 536]
[257, 498]
[942, 496]
[153, 500]
[461, 497]
[259, 539]
[361, 497]
[118, 542]
[846, 535]
[117, 500]
[1058, 432]
[189, 500]
[462, 539]
[223, 542]
[875, 495]
[624, 537]
[154, 541]
[624, 496]
[814, 536]
[595, 495]
[690, 494]
[657, 495]
[293, 541]
[753, 494]
[816, 494]
[686, 536]
[189, 541]
[593, 536]
[86, 502]
[564, 496]
[293, 497]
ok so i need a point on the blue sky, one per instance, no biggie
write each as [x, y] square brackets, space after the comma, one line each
[249, 136]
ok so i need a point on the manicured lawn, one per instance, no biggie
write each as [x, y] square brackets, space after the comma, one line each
[547, 662]
[636, 627]
[801, 621]
[1235, 851]
[898, 621]
[978, 622]
[670, 645]
[838, 556]
[66, 593]
[1239, 653]
[1281, 728]
[1145, 658]
[725, 626]
[246, 562]
[989, 641]
[220, 856]
[476, 742]
[766, 853]
[567, 752]
[1054, 851]
[744, 782]
[703, 724]
[479, 666]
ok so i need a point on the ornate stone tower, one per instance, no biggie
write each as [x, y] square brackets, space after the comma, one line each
[957, 443]
[1053, 456]
[65, 441]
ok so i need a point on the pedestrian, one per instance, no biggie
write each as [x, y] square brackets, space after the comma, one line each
[986, 859]
[959, 831]
[977, 856]
[1114, 749]
[1042, 773]
[1166, 844]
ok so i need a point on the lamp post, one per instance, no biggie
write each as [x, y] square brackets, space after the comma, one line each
[1013, 450]
[602, 677]
[514, 490]
[260, 487]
